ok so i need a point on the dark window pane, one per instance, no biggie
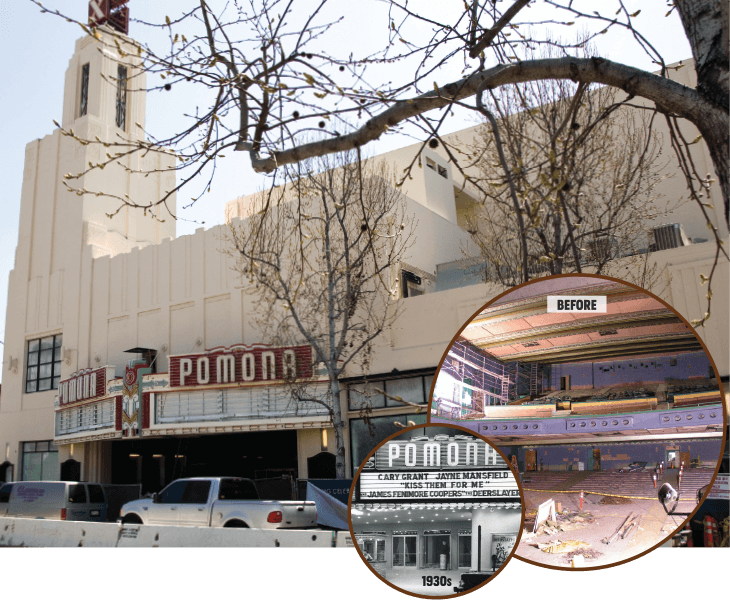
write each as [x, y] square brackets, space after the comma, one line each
[50, 466]
[55, 382]
[121, 96]
[410, 390]
[41, 447]
[362, 440]
[427, 385]
[44, 384]
[46, 356]
[196, 492]
[34, 345]
[84, 103]
[57, 354]
[172, 494]
[362, 396]
[32, 466]
[77, 494]
[32, 374]
[46, 343]
[33, 358]
[5, 492]
[45, 370]
[28, 446]
[96, 494]
[31, 386]
[57, 341]
[237, 489]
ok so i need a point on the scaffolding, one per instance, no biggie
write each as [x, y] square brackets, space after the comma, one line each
[480, 381]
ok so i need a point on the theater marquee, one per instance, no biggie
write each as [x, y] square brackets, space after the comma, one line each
[241, 364]
[439, 468]
[439, 485]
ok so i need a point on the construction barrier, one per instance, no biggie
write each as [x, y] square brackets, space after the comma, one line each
[69, 534]
[344, 540]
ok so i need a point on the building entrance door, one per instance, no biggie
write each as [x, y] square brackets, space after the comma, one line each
[530, 460]
[404, 550]
[434, 546]
[596, 459]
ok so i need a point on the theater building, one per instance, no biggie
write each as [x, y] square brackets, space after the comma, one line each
[131, 355]
[134, 356]
[435, 502]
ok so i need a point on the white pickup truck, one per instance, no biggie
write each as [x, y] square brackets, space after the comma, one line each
[218, 502]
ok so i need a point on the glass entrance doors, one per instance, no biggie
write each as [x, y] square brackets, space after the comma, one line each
[434, 547]
[464, 550]
[404, 550]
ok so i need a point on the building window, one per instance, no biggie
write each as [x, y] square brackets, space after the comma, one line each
[43, 364]
[84, 103]
[364, 436]
[414, 390]
[40, 462]
[121, 96]
[412, 284]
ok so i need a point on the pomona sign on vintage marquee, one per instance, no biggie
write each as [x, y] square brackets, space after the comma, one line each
[241, 364]
[441, 468]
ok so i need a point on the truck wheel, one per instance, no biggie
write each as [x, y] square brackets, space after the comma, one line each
[236, 523]
[131, 519]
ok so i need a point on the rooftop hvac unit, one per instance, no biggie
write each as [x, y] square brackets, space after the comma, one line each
[669, 236]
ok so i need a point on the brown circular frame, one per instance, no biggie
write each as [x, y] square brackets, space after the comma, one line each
[704, 347]
[421, 426]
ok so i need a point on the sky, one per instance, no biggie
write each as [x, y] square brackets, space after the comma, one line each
[37, 47]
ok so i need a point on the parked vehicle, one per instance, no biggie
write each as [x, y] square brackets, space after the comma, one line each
[57, 500]
[218, 502]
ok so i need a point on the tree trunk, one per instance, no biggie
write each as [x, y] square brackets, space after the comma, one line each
[339, 426]
[706, 25]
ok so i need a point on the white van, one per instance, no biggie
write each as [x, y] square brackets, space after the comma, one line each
[58, 500]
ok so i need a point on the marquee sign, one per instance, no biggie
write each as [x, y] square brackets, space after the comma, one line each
[86, 384]
[458, 452]
[241, 364]
[132, 410]
[417, 486]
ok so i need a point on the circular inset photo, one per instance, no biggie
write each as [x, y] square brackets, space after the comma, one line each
[607, 403]
[435, 511]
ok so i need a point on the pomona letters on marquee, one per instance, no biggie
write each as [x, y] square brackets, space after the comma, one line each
[241, 364]
[86, 384]
[438, 452]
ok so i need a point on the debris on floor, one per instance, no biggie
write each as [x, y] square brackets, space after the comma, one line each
[558, 547]
[586, 553]
[565, 521]
[625, 529]
[614, 500]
